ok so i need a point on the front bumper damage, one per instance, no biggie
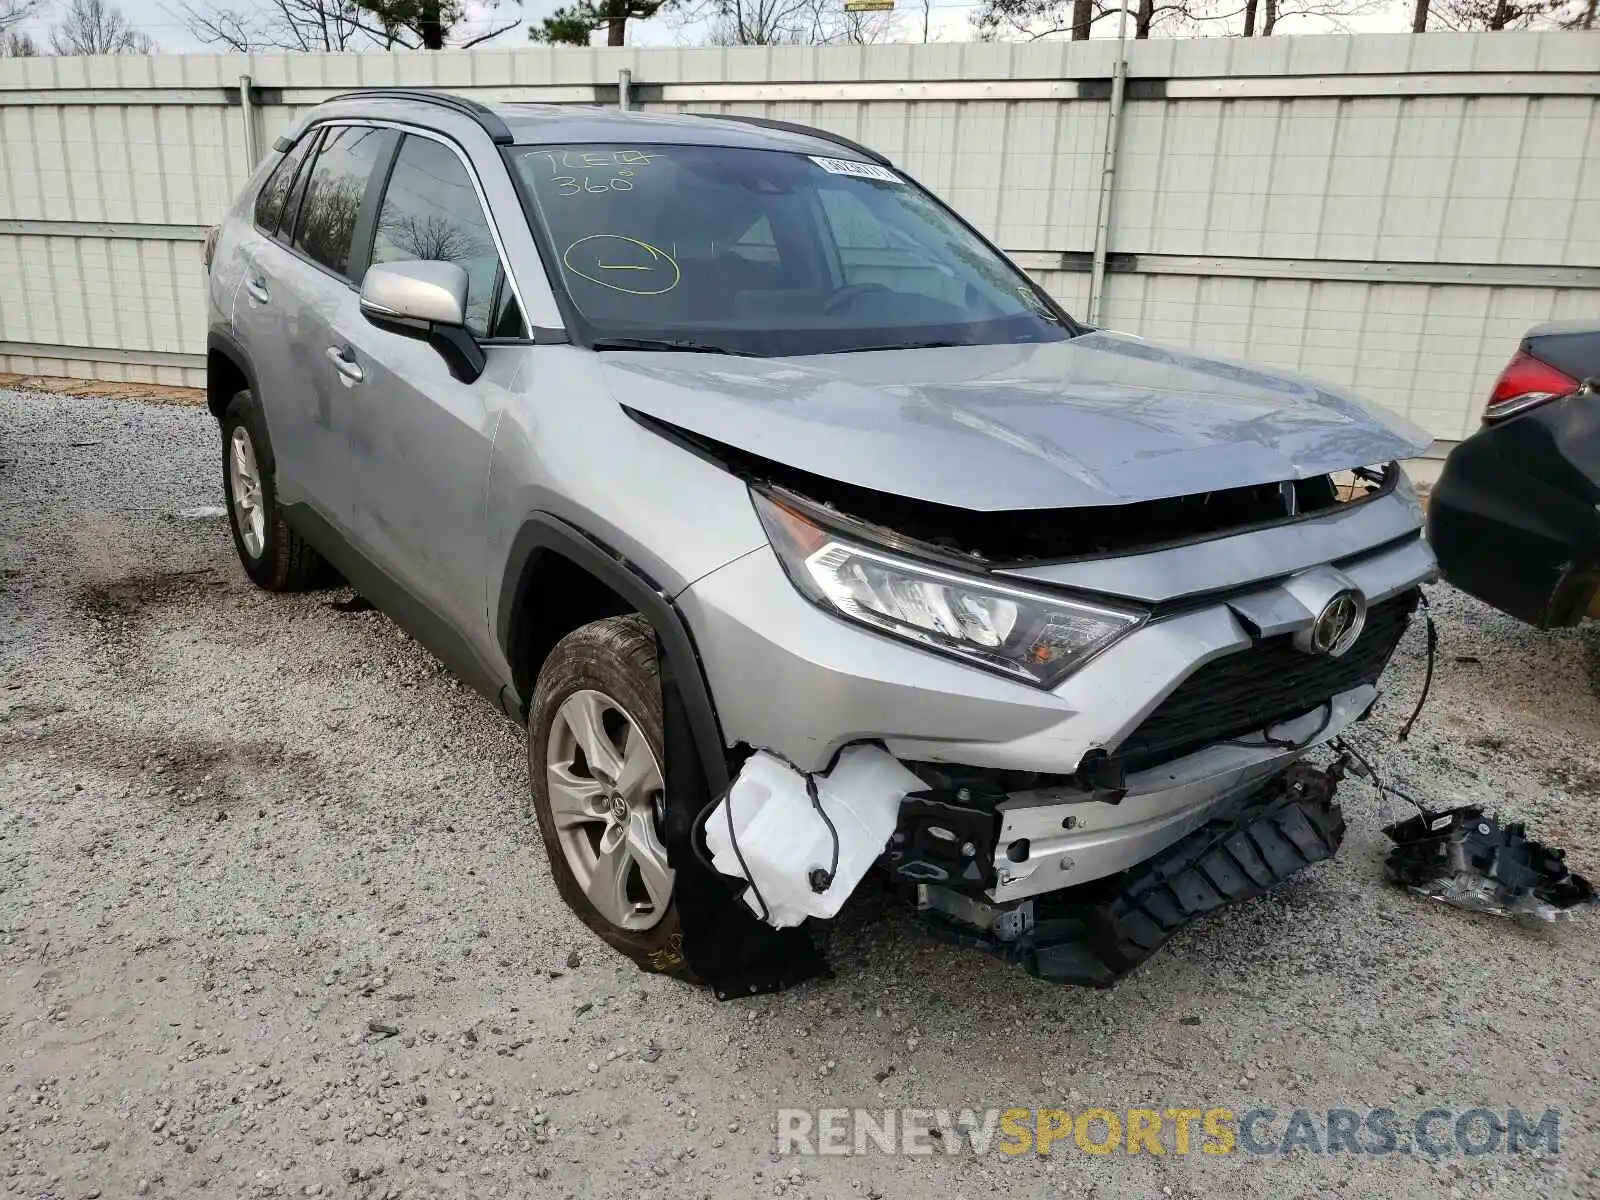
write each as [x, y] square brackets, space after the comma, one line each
[1050, 824]
[1096, 934]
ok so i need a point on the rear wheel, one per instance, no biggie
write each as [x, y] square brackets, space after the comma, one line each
[594, 757]
[273, 555]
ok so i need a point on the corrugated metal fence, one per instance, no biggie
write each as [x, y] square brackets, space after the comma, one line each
[1384, 211]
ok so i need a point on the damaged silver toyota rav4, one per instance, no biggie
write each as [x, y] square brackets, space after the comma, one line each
[807, 535]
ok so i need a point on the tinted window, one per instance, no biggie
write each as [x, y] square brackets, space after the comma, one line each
[431, 211]
[769, 252]
[868, 255]
[334, 192]
[297, 193]
[269, 202]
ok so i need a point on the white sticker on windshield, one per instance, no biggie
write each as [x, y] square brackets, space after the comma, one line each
[861, 170]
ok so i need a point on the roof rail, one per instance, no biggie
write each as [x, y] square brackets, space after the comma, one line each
[807, 130]
[485, 116]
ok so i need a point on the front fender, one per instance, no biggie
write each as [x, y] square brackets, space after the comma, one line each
[681, 667]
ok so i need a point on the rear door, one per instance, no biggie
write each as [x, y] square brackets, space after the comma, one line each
[258, 314]
[314, 288]
[420, 438]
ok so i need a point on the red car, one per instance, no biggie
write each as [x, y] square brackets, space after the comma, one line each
[1515, 516]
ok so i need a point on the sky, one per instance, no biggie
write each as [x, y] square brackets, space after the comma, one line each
[952, 22]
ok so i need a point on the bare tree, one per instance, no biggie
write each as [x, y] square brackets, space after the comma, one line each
[1263, 17]
[1493, 15]
[756, 22]
[289, 25]
[848, 28]
[13, 42]
[783, 23]
[327, 214]
[432, 237]
[1034, 20]
[91, 27]
[1336, 13]
[14, 12]
[313, 25]
[1031, 20]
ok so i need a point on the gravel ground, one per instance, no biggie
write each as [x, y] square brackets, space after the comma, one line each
[244, 836]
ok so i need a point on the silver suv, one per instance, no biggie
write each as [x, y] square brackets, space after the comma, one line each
[804, 532]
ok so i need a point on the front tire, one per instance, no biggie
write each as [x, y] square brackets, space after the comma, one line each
[595, 750]
[273, 555]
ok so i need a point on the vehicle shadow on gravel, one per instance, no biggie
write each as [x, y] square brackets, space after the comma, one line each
[119, 600]
[118, 609]
[1590, 637]
[183, 770]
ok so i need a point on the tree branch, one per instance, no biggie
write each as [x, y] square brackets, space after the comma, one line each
[484, 37]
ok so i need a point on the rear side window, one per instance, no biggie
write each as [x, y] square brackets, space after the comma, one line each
[334, 191]
[270, 200]
[430, 210]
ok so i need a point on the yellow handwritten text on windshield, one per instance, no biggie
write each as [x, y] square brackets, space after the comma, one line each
[623, 264]
[589, 172]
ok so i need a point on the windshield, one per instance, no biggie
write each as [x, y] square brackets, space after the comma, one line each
[766, 252]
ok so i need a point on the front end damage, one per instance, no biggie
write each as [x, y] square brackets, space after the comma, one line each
[1073, 829]
[1090, 602]
[1094, 934]
[803, 843]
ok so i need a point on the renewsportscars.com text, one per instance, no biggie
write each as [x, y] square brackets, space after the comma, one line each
[1165, 1131]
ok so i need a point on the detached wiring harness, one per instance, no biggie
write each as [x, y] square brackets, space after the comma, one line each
[1363, 767]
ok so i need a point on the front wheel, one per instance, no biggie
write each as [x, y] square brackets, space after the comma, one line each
[594, 758]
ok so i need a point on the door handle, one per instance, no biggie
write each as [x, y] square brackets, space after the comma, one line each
[345, 364]
[257, 287]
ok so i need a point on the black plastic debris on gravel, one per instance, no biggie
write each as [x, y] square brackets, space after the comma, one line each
[1467, 858]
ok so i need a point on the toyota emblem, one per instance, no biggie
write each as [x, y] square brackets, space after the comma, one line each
[1338, 625]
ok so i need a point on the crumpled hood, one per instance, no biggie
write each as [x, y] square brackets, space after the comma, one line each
[1100, 419]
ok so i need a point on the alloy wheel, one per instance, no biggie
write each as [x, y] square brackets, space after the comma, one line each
[606, 793]
[244, 491]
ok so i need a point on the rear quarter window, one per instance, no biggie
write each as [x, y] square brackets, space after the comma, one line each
[270, 200]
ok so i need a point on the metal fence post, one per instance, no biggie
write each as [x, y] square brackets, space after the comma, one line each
[247, 107]
[1108, 174]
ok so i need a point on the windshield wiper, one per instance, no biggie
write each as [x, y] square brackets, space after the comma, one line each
[677, 344]
[935, 345]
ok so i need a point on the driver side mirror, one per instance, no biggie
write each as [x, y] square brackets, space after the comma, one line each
[425, 300]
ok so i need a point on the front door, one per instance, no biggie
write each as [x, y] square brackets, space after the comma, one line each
[420, 439]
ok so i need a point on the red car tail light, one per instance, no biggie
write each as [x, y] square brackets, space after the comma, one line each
[1525, 383]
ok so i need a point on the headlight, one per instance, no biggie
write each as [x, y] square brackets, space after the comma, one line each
[1030, 636]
